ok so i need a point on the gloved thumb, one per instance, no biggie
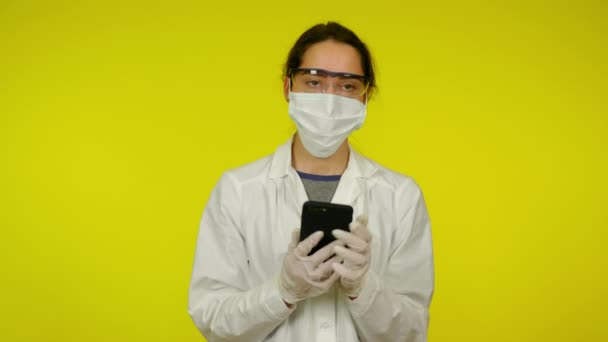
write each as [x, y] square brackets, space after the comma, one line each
[359, 228]
[360, 221]
[295, 238]
[309, 243]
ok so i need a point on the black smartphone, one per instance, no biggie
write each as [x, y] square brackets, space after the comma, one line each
[326, 217]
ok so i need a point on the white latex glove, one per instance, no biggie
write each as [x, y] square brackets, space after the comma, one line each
[303, 276]
[356, 257]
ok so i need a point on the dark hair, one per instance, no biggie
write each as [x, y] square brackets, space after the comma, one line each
[331, 31]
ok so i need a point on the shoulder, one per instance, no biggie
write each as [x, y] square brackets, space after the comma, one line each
[259, 171]
[400, 191]
[251, 172]
[233, 183]
[392, 180]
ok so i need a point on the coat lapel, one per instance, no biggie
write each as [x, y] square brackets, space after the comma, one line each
[349, 190]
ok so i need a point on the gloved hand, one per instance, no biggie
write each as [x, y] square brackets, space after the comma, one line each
[303, 276]
[357, 256]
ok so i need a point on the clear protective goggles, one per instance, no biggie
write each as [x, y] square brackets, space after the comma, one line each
[308, 80]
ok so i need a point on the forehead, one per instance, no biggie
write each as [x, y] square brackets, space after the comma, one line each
[333, 56]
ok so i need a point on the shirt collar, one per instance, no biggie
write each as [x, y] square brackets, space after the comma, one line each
[357, 167]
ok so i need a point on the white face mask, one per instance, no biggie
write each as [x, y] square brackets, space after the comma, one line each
[324, 121]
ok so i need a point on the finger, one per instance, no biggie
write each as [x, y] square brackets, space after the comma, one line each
[362, 219]
[350, 239]
[327, 283]
[345, 272]
[359, 228]
[321, 273]
[324, 253]
[361, 232]
[306, 245]
[295, 238]
[335, 258]
[325, 269]
[350, 256]
[335, 243]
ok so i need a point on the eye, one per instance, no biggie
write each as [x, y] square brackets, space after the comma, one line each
[349, 87]
[313, 83]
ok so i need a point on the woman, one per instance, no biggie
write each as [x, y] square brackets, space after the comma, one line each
[253, 279]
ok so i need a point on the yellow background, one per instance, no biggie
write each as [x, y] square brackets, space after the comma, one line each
[118, 117]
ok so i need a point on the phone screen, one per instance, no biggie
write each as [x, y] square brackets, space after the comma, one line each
[325, 217]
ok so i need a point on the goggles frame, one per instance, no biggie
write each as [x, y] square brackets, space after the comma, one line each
[337, 74]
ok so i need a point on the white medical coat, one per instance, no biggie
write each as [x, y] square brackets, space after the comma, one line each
[244, 234]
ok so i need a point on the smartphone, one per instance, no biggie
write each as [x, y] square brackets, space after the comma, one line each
[326, 217]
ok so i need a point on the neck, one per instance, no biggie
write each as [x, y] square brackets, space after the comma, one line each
[303, 161]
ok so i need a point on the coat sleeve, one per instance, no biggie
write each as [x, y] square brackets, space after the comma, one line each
[394, 306]
[220, 302]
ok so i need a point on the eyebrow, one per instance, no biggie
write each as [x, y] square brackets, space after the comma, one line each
[340, 74]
